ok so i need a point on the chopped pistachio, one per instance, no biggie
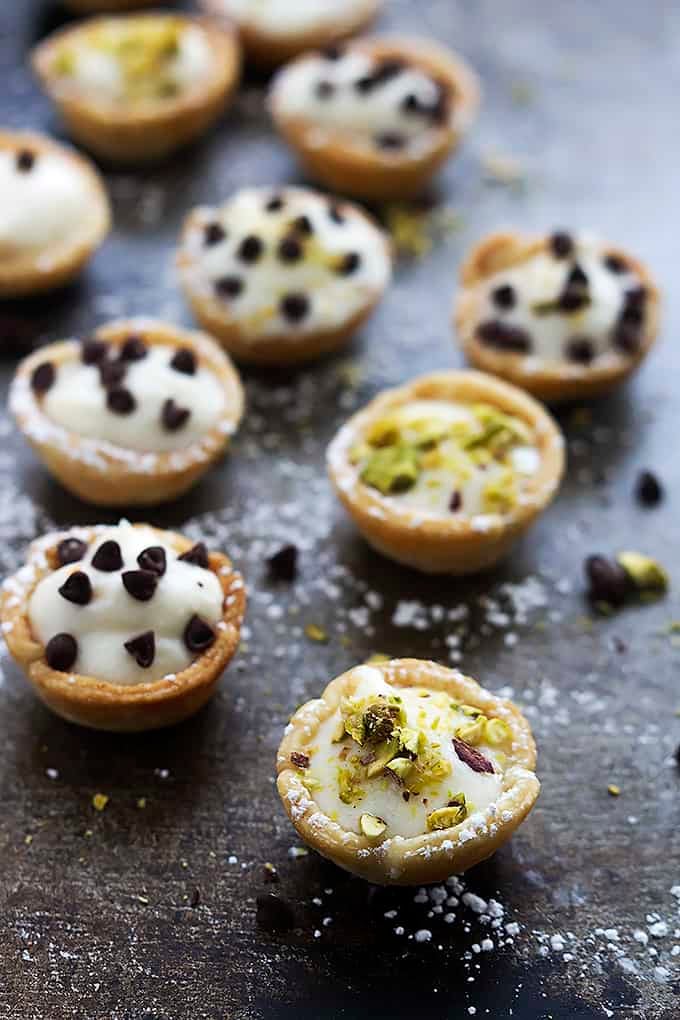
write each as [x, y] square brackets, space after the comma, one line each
[497, 732]
[371, 826]
[613, 790]
[384, 754]
[377, 658]
[401, 767]
[315, 633]
[379, 720]
[383, 432]
[645, 573]
[409, 739]
[500, 495]
[391, 469]
[470, 710]
[443, 818]
[99, 801]
[472, 733]
[349, 789]
[339, 731]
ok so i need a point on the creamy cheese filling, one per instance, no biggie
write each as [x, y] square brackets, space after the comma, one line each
[447, 459]
[293, 17]
[43, 199]
[574, 307]
[83, 400]
[112, 617]
[385, 104]
[402, 761]
[286, 263]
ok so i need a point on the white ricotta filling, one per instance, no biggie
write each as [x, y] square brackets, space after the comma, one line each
[429, 711]
[292, 17]
[113, 616]
[41, 206]
[78, 402]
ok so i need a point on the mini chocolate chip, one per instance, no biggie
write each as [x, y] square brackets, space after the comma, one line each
[93, 351]
[198, 635]
[275, 204]
[335, 213]
[388, 69]
[25, 160]
[283, 563]
[627, 337]
[324, 89]
[70, 550]
[61, 652]
[504, 296]
[572, 300]
[349, 264]
[561, 244]
[303, 225]
[504, 336]
[250, 248]
[273, 913]
[580, 350]
[390, 140]
[290, 249]
[197, 555]
[648, 489]
[332, 52]
[229, 286]
[184, 360]
[173, 416]
[142, 648]
[120, 400]
[141, 584]
[42, 377]
[294, 307]
[213, 233]
[111, 373]
[608, 581]
[153, 559]
[456, 501]
[108, 557]
[411, 104]
[134, 349]
[77, 588]
[615, 264]
[577, 277]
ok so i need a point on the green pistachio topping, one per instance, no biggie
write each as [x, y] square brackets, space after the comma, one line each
[371, 826]
[455, 812]
[646, 574]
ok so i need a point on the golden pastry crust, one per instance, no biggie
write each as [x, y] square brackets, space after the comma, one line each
[447, 544]
[150, 130]
[553, 382]
[39, 270]
[356, 170]
[97, 703]
[101, 473]
[432, 856]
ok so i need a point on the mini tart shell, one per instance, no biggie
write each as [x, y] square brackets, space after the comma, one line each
[288, 348]
[553, 382]
[432, 856]
[368, 173]
[106, 475]
[39, 270]
[269, 49]
[145, 131]
[100, 704]
[438, 544]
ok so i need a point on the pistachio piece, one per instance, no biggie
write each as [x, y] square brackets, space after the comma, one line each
[472, 733]
[299, 760]
[383, 432]
[500, 495]
[391, 469]
[371, 826]
[401, 768]
[384, 754]
[645, 573]
[443, 818]
[409, 739]
[349, 789]
[379, 720]
[472, 757]
[497, 732]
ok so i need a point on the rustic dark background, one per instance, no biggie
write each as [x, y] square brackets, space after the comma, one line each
[149, 913]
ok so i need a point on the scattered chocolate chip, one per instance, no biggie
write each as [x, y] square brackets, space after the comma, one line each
[250, 248]
[290, 249]
[283, 563]
[456, 501]
[184, 361]
[153, 559]
[141, 584]
[42, 377]
[627, 338]
[580, 350]
[384, 72]
[213, 233]
[335, 213]
[648, 489]
[615, 264]
[197, 555]
[25, 160]
[324, 89]
[61, 652]
[229, 286]
[299, 760]
[332, 52]
[390, 140]
[471, 756]
[93, 351]
[294, 307]
[608, 581]
[561, 244]
[111, 373]
[134, 349]
[198, 635]
[505, 337]
[70, 550]
[108, 557]
[303, 225]
[575, 293]
[120, 400]
[349, 263]
[275, 204]
[273, 913]
[577, 277]
[504, 296]
[142, 648]
[77, 588]
[173, 417]
[411, 104]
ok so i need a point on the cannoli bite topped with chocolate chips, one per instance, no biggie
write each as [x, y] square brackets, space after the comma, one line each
[374, 118]
[133, 415]
[282, 275]
[567, 316]
[125, 627]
